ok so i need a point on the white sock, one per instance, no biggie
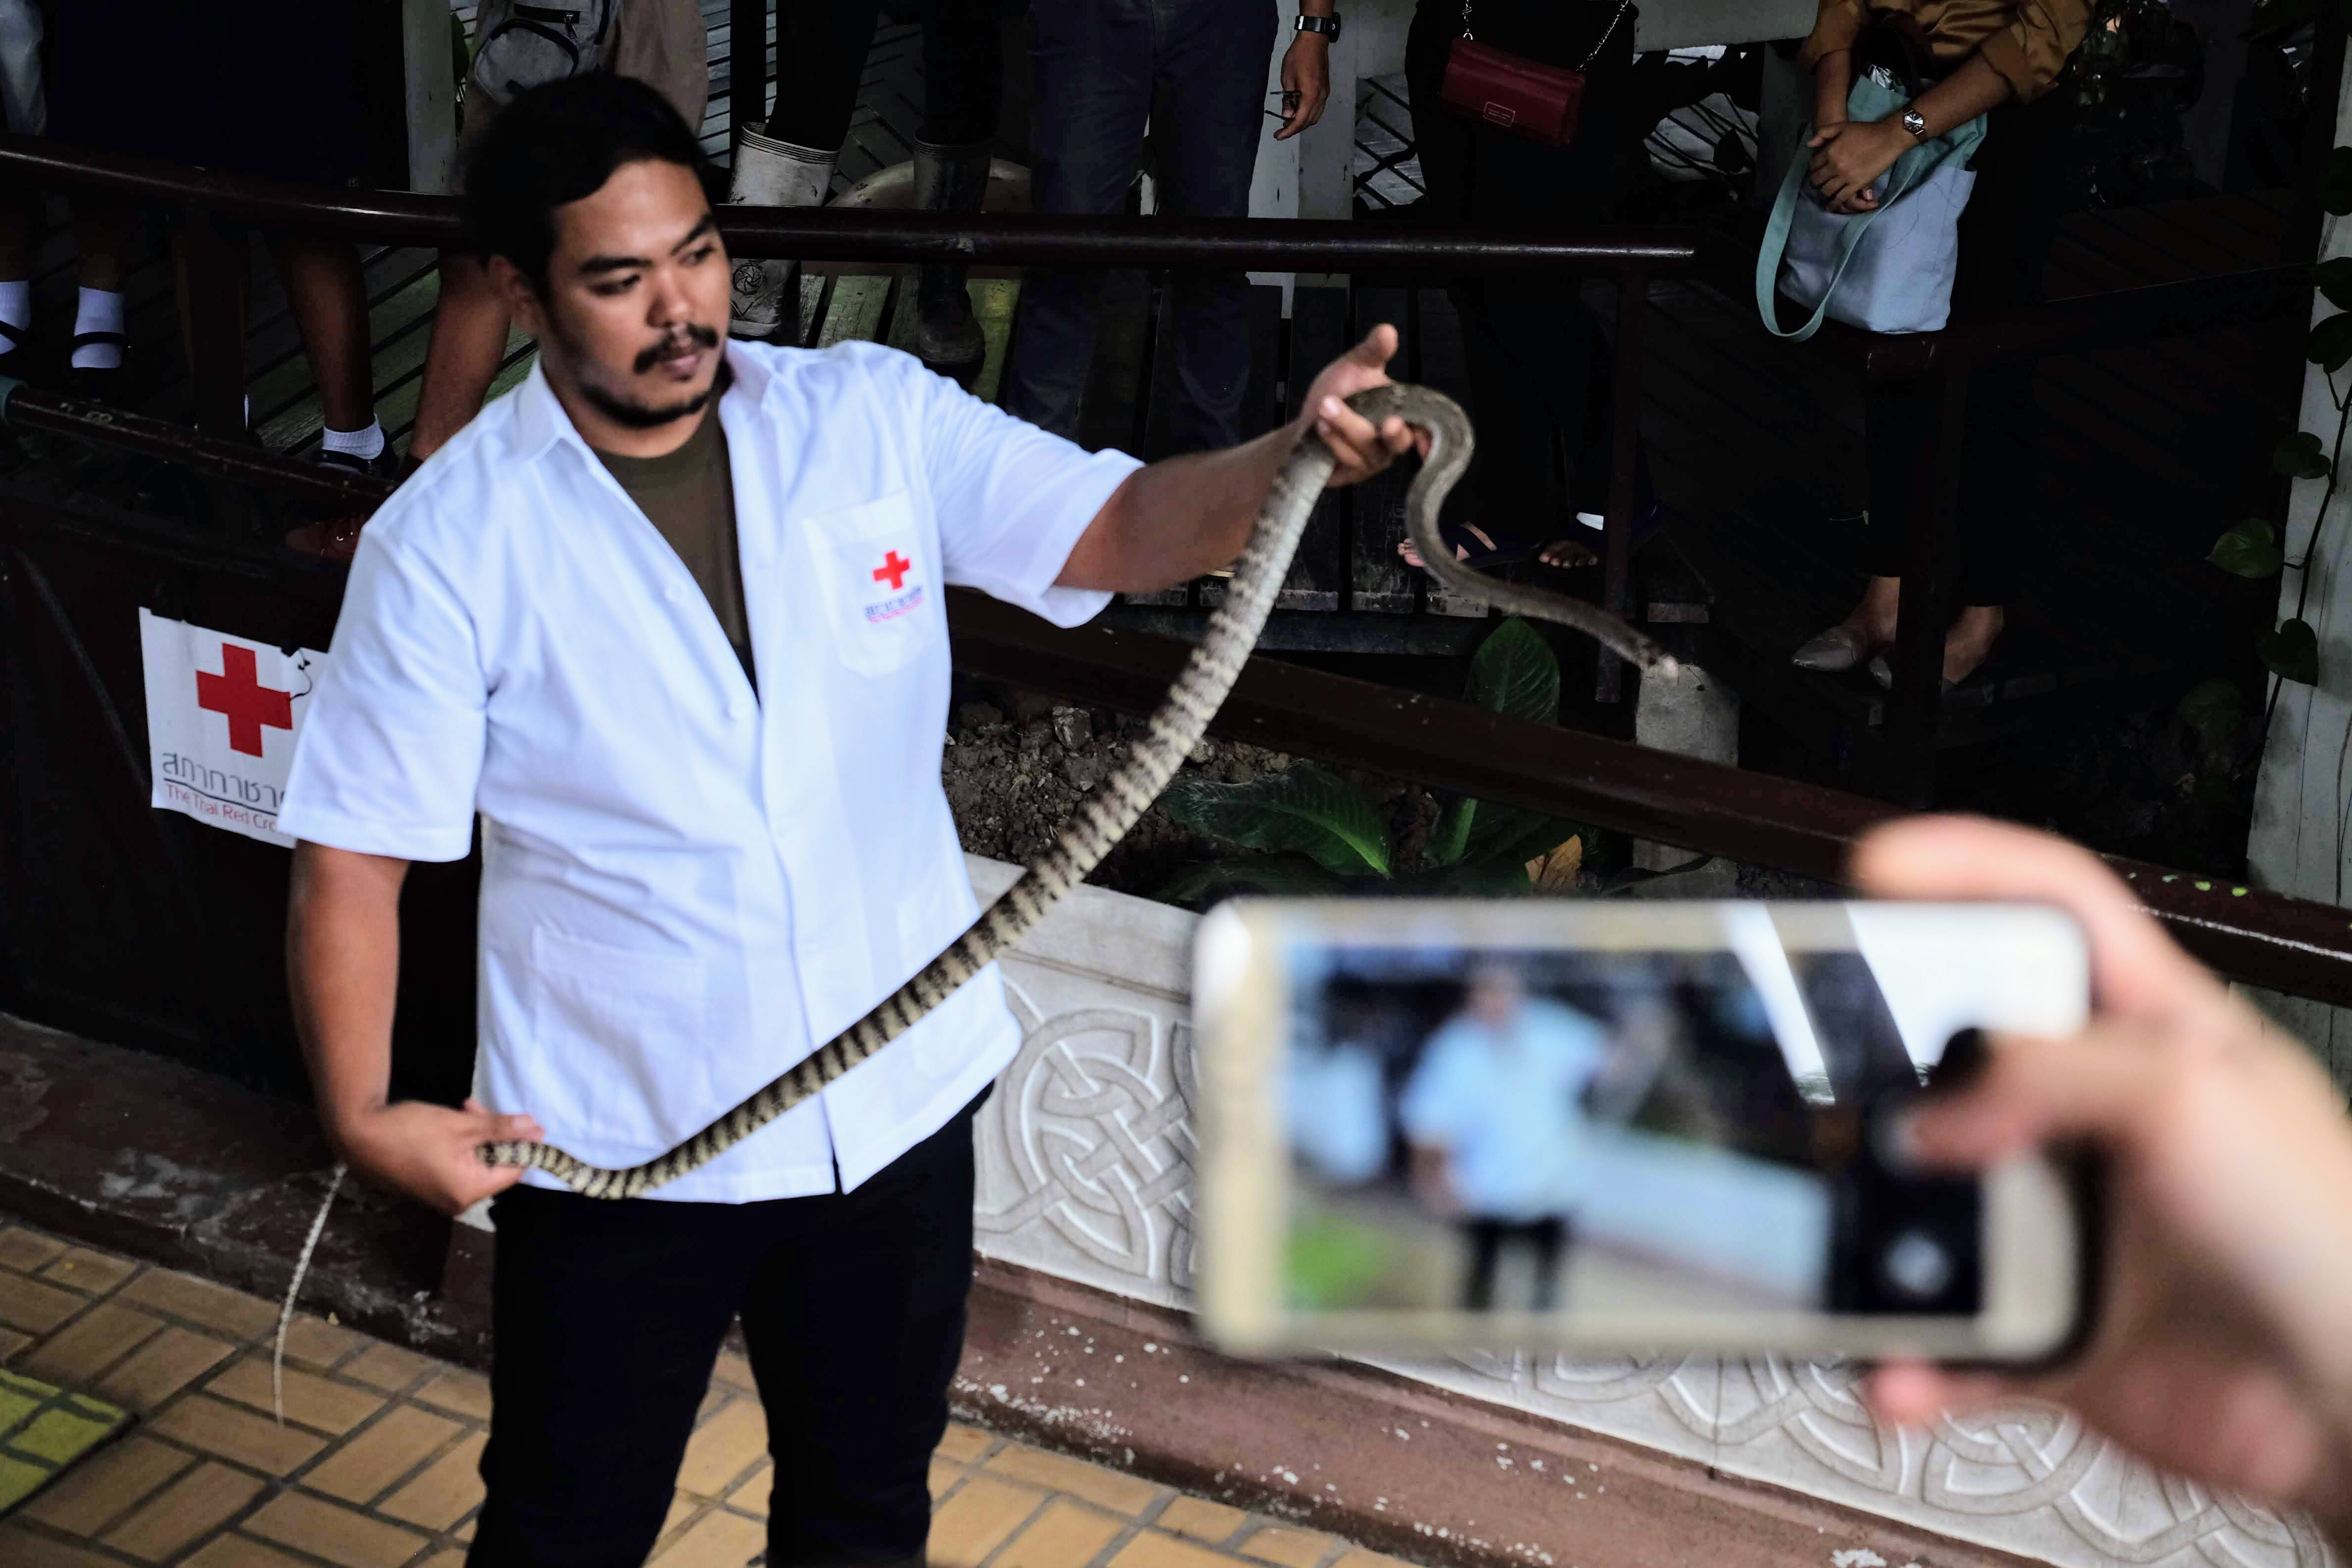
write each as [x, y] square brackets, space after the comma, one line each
[16, 304]
[100, 311]
[367, 445]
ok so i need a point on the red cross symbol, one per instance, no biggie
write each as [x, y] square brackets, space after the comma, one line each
[893, 570]
[238, 695]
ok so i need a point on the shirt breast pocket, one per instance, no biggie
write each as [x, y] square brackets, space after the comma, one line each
[880, 580]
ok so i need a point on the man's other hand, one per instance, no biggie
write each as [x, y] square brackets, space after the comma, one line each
[429, 1151]
[1307, 74]
[1362, 451]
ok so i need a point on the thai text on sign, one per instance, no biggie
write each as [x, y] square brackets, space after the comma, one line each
[222, 715]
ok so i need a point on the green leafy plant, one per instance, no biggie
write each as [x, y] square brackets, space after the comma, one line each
[1312, 831]
[2252, 548]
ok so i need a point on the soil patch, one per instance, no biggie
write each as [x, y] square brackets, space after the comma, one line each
[1018, 763]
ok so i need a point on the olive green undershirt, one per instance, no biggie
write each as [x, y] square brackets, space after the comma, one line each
[688, 496]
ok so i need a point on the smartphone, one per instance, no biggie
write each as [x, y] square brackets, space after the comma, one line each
[1431, 1126]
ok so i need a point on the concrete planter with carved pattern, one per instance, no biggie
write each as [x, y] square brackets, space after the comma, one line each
[1084, 1173]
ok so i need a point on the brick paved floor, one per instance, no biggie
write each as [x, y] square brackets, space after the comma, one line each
[375, 1465]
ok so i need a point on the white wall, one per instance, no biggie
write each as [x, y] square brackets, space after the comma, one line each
[2299, 844]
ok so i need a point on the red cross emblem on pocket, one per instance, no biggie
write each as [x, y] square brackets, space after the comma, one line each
[893, 570]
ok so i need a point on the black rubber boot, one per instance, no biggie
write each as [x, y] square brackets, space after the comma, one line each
[947, 334]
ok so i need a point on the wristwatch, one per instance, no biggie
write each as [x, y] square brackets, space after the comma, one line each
[1327, 25]
[1915, 123]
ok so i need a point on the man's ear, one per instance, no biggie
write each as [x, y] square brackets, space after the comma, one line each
[523, 297]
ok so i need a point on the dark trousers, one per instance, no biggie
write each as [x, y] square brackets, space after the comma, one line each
[1547, 1239]
[2006, 232]
[1196, 70]
[608, 1319]
[821, 49]
[1539, 365]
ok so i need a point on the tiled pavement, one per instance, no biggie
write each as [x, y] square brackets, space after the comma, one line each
[375, 1465]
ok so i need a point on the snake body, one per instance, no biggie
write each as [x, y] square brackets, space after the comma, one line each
[1106, 815]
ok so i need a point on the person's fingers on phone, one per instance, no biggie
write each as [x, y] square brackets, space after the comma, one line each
[2107, 1084]
[1914, 1393]
[2136, 969]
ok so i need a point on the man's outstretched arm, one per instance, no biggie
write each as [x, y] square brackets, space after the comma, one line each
[342, 965]
[1171, 522]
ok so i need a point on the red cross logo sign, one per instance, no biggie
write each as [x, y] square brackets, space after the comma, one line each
[893, 570]
[238, 695]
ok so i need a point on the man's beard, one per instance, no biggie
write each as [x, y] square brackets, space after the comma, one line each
[637, 416]
[634, 416]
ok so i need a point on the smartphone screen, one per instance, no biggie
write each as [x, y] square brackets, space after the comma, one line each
[1467, 1125]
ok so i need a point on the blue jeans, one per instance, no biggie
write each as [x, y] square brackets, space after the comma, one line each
[1098, 67]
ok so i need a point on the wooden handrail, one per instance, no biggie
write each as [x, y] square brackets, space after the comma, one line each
[2074, 324]
[2285, 944]
[2083, 322]
[863, 233]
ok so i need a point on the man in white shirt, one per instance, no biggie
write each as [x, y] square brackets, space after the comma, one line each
[700, 721]
[1495, 1115]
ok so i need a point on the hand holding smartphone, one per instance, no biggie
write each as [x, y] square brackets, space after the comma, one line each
[1602, 1127]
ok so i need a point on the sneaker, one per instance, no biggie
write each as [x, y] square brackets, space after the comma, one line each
[385, 464]
[99, 384]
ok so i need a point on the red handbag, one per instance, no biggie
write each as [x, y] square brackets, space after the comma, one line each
[1541, 102]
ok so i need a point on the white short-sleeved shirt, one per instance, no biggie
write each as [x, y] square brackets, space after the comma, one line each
[688, 886]
[1506, 1106]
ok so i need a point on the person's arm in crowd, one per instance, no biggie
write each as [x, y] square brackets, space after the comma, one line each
[1307, 73]
[2021, 61]
[1848, 157]
[2223, 1346]
[343, 962]
[1171, 522]
[1833, 86]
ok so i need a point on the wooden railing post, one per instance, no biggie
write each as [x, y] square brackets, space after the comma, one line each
[1624, 471]
[1915, 714]
[747, 73]
[215, 266]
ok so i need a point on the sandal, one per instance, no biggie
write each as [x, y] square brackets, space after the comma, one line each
[1648, 518]
[336, 538]
[1472, 546]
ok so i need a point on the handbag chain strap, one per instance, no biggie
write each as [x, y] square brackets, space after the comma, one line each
[1606, 33]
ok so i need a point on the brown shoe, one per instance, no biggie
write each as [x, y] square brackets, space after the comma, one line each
[337, 538]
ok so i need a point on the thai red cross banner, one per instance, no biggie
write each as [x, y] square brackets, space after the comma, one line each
[222, 714]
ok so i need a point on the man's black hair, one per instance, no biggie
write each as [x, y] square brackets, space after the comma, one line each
[558, 143]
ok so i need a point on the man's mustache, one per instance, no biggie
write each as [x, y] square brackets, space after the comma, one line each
[699, 336]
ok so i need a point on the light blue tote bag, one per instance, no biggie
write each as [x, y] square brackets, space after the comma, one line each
[1887, 270]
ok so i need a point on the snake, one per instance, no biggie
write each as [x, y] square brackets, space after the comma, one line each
[1106, 814]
